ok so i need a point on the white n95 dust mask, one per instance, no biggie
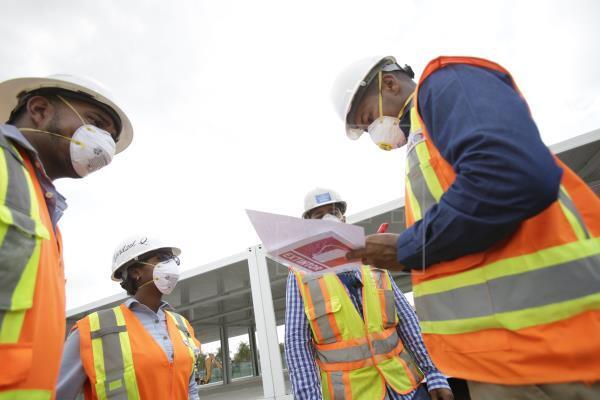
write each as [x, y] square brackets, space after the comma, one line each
[166, 275]
[331, 217]
[385, 131]
[91, 148]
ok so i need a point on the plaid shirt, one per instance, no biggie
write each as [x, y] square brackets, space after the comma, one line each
[299, 350]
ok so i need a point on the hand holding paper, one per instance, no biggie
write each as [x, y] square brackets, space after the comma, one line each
[380, 251]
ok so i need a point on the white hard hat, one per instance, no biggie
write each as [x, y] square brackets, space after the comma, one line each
[351, 83]
[134, 247]
[320, 197]
[13, 90]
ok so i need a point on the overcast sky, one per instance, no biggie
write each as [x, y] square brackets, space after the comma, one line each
[231, 108]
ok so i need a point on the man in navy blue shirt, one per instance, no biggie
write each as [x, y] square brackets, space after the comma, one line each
[502, 173]
[503, 177]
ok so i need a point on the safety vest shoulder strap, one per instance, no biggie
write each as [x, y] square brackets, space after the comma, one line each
[20, 205]
[179, 321]
[113, 358]
[188, 339]
[380, 277]
[21, 235]
[444, 61]
[377, 283]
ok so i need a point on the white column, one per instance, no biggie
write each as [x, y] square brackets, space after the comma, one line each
[266, 329]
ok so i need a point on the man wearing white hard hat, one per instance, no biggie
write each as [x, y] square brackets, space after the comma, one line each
[502, 238]
[140, 349]
[60, 126]
[327, 318]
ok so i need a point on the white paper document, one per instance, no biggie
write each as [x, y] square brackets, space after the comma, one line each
[311, 245]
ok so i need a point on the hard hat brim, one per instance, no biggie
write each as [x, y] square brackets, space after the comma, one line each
[353, 133]
[10, 89]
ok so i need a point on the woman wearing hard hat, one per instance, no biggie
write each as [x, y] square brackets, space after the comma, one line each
[140, 349]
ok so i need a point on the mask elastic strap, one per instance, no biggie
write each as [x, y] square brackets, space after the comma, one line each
[56, 134]
[147, 263]
[77, 142]
[380, 77]
[406, 103]
[151, 280]
[144, 284]
[72, 108]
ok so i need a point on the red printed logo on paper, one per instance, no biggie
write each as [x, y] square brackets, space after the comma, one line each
[319, 255]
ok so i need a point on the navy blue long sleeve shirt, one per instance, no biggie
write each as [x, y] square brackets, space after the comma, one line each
[504, 172]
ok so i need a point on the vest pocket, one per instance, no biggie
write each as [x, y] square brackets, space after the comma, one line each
[321, 318]
[19, 260]
[16, 359]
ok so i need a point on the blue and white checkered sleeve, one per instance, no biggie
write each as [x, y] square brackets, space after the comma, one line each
[299, 350]
[410, 333]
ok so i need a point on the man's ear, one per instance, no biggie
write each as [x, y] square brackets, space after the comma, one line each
[390, 84]
[40, 110]
[344, 219]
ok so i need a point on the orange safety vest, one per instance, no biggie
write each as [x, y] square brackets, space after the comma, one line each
[358, 356]
[115, 344]
[525, 311]
[32, 288]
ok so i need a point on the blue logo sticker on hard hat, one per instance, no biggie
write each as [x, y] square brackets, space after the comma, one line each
[322, 198]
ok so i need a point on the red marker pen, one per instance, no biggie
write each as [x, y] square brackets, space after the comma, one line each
[383, 227]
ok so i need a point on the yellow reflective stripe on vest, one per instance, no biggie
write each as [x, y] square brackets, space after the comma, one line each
[514, 293]
[21, 232]
[26, 394]
[386, 295]
[572, 214]
[425, 187]
[433, 184]
[185, 334]
[422, 184]
[113, 359]
[412, 201]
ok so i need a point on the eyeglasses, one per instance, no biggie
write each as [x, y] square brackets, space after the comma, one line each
[162, 257]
